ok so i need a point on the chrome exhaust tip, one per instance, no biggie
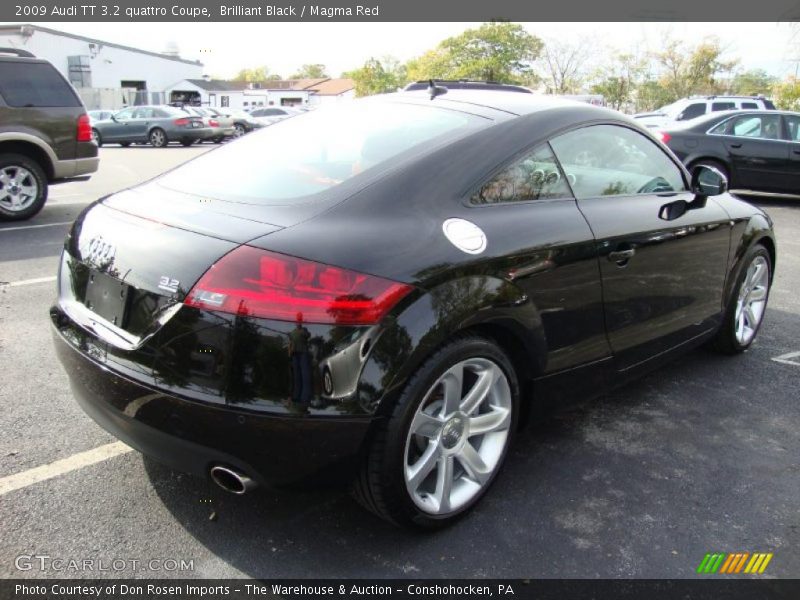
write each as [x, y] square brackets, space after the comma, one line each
[231, 480]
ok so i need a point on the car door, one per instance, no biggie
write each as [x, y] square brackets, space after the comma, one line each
[662, 272]
[139, 125]
[115, 129]
[758, 153]
[792, 129]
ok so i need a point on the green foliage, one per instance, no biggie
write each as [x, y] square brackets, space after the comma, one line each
[619, 80]
[752, 83]
[502, 52]
[688, 71]
[256, 74]
[315, 71]
[787, 94]
[378, 77]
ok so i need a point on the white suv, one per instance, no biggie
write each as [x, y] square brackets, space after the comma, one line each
[691, 108]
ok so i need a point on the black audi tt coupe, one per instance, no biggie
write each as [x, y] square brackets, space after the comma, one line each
[376, 292]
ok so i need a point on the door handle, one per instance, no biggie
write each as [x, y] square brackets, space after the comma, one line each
[621, 256]
[796, 151]
[736, 145]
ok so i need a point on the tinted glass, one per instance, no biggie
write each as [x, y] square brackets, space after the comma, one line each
[535, 176]
[692, 111]
[608, 160]
[717, 106]
[793, 125]
[749, 105]
[34, 84]
[766, 127]
[316, 151]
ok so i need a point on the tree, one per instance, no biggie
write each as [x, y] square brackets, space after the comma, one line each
[378, 77]
[564, 64]
[256, 74]
[503, 52]
[619, 80]
[752, 83]
[687, 71]
[786, 94]
[314, 71]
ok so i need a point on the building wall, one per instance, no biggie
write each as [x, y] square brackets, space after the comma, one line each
[109, 66]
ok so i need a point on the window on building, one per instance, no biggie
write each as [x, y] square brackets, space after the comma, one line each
[224, 101]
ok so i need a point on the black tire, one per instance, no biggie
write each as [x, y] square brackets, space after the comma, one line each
[36, 177]
[157, 137]
[217, 140]
[714, 164]
[97, 139]
[726, 339]
[124, 144]
[240, 130]
[381, 485]
[187, 143]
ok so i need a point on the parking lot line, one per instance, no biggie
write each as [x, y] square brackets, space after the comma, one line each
[35, 226]
[21, 480]
[29, 281]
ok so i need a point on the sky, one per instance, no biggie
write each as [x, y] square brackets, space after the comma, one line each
[225, 48]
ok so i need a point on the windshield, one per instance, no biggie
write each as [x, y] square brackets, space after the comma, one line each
[316, 151]
[671, 110]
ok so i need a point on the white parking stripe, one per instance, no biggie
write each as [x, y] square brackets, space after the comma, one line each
[61, 467]
[36, 226]
[29, 281]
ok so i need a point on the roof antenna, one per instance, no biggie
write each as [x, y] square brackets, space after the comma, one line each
[435, 90]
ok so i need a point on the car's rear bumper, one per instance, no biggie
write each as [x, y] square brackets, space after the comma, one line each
[75, 167]
[193, 436]
[199, 133]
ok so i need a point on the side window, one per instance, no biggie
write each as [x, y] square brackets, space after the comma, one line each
[717, 106]
[767, 127]
[692, 111]
[793, 125]
[124, 115]
[34, 84]
[143, 113]
[610, 160]
[535, 176]
[749, 105]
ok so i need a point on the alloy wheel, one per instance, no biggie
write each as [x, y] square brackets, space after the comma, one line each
[238, 130]
[18, 188]
[458, 436]
[157, 138]
[752, 300]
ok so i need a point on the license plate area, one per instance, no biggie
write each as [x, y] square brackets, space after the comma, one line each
[107, 297]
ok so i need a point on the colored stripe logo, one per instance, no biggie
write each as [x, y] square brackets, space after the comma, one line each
[736, 562]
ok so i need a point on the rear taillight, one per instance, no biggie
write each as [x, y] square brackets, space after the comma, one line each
[258, 283]
[663, 136]
[213, 123]
[84, 133]
[181, 122]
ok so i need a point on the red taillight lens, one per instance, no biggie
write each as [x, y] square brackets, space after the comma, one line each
[181, 122]
[258, 283]
[663, 136]
[213, 123]
[84, 133]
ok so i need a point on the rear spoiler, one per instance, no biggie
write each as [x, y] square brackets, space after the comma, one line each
[17, 52]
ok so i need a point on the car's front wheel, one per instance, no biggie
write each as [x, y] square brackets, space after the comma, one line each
[23, 187]
[446, 439]
[239, 130]
[746, 308]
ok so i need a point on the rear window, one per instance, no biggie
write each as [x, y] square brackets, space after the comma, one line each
[34, 84]
[316, 151]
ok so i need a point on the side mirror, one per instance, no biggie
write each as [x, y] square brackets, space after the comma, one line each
[708, 181]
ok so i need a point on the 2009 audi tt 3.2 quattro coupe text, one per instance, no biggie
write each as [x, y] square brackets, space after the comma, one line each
[374, 292]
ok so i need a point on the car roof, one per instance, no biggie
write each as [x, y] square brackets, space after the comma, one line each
[511, 103]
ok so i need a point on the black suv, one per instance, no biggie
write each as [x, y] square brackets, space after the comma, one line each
[45, 134]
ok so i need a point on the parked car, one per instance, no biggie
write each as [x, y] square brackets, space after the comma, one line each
[466, 84]
[45, 136]
[273, 114]
[100, 115]
[374, 291]
[222, 125]
[157, 125]
[243, 122]
[687, 109]
[755, 150]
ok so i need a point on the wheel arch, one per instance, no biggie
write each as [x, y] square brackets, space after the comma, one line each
[31, 150]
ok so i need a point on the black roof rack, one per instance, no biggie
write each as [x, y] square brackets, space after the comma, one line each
[17, 52]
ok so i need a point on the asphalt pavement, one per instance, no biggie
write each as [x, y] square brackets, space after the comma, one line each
[701, 456]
